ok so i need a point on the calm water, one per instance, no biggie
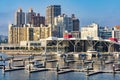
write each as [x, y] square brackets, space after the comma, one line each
[51, 75]
[48, 75]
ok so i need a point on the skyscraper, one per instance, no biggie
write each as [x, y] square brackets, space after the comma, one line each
[52, 11]
[76, 23]
[37, 20]
[19, 17]
[29, 16]
[63, 23]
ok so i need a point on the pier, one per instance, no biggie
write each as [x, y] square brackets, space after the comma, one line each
[38, 70]
[13, 69]
[62, 65]
[65, 71]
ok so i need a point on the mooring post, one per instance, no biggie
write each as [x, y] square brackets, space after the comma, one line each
[45, 62]
[104, 60]
[113, 68]
[1, 58]
[101, 60]
[57, 67]
[87, 70]
[92, 63]
[83, 58]
[10, 65]
[3, 66]
[29, 65]
[23, 62]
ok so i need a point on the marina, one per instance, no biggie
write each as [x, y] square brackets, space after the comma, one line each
[60, 65]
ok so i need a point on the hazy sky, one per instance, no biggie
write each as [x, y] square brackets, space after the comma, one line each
[103, 12]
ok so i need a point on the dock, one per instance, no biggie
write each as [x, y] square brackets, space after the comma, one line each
[53, 60]
[109, 62]
[38, 70]
[13, 69]
[70, 61]
[94, 73]
[64, 67]
[87, 62]
[65, 71]
[15, 60]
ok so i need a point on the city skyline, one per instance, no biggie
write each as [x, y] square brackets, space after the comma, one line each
[103, 12]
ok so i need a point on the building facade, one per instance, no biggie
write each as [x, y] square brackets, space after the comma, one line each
[52, 11]
[76, 34]
[29, 16]
[28, 33]
[37, 20]
[76, 23]
[63, 23]
[105, 32]
[116, 32]
[19, 17]
[94, 31]
[90, 31]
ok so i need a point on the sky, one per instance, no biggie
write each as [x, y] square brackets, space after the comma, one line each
[102, 12]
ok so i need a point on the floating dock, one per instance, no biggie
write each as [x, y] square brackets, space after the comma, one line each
[65, 71]
[38, 70]
[108, 62]
[13, 69]
[94, 73]
[53, 60]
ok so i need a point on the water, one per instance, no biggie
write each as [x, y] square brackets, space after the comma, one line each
[52, 75]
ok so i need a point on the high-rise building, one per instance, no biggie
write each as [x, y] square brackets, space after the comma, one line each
[76, 23]
[19, 17]
[35, 20]
[38, 20]
[29, 16]
[116, 32]
[90, 31]
[105, 32]
[28, 33]
[17, 34]
[52, 11]
[63, 23]
[94, 31]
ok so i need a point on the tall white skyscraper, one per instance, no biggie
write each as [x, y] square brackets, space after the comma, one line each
[19, 17]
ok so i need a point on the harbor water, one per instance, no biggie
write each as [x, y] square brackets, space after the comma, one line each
[52, 75]
[49, 75]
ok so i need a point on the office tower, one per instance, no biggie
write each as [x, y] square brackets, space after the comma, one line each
[19, 17]
[76, 23]
[29, 16]
[52, 11]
